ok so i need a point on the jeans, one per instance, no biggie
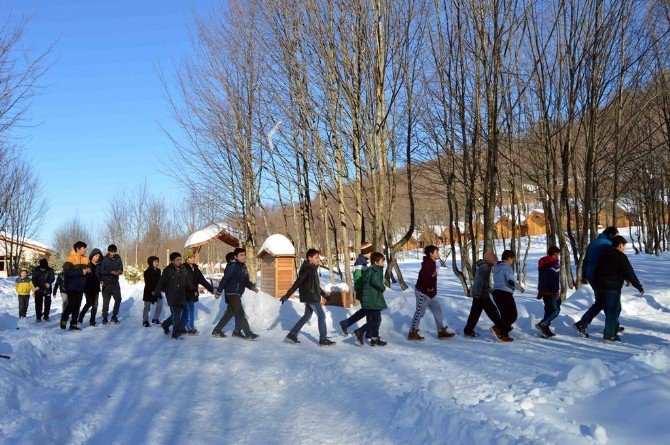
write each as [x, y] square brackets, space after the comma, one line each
[480, 304]
[73, 305]
[174, 318]
[23, 305]
[110, 290]
[507, 309]
[236, 310]
[594, 310]
[371, 328]
[311, 308]
[188, 316]
[42, 303]
[157, 310]
[552, 307]
[91, 303]
[356, 317]
[612, 299]
[424, 302]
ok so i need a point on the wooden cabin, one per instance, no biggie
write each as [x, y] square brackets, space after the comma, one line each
[277, 263]
[536, 223]
[504, 228]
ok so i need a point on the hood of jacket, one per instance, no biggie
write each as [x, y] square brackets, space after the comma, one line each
[95, 252]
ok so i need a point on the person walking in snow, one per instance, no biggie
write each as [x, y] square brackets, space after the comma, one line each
[60, 286]
[594, 251]
[360, 265]
[152, 274]
[92, 290]
[75, 269]
[233, 284]
[373, 301]
[480, 292]
[425, 292]
[310, 293]
[43, 278]
[612, 270]
[24, 287]
[548, 289]
[504, 285]
[110, 270]
[237, 330]
[197, 278]
[176, 284]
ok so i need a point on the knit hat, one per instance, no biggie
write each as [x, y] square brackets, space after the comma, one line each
[44, 263]
[366, 248]
[188, 255]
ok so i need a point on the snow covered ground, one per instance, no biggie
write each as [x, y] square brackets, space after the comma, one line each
[129, 385]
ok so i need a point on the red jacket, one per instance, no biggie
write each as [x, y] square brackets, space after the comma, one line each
[426, 283]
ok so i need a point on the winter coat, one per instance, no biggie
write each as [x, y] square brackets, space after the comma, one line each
[24, 286]
[197, 278]
[151, 276]
[176, 284]
[504, 279]
[613, 268]
[235, 279]
[60, 284]
[482, 284]
[426, 283]
[92, 279]
[360, 265]
[75, 280]
[373, 288]
[42, 277]
[308, 284]
[594, 251]
[549, 279]
[107, 265]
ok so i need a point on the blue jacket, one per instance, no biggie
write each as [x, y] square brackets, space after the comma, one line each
[235, 279]
[504, 279]
[549, 280]
[594, 251]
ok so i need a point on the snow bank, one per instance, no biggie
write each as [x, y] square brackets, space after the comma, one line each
[277, 245]
[590, 376]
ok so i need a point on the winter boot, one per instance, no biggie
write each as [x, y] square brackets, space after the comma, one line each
[93, 324]
[613, 338]
[344, 326]
[376, 341]
[104, 320]
[359, 337]
[544, 330]
[217, 334]
[414, 335]
[326, 342]
[238, 334]
[443, 333]
[38, 320]
[251, 336]
[193, 331]
[146, 324]
[503, 338]
[156, 321]
[45, 318]
[581, 329]
[470, 334]
[74, 327]
[619, 329]
[115, 320]
[293, 338]
[63, 324]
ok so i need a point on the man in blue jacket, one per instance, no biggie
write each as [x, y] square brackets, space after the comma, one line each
[594, 251]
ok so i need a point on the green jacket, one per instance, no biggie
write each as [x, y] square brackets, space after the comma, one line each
[373, 288]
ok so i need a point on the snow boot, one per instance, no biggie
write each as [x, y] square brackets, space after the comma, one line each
[293, 338]
[613, 338]
[472, 334]
[45, 318]
[238, 334]
[376, 341]
[63, 324]
[344, 326]
[218, 334]
[443, 333]
[193, 331]
[359, 337]
[544, 330]
[156, 321]
[38, 320]
[581, 329]
[146, 324]
[115, 320]
[74, 327]
[251, 336]
[500, 337]
[414, 335]
[93, 324]
[326, 342]
[104, 320]
[619, 329]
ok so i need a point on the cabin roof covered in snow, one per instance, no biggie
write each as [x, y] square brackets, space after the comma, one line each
[277, 245]
[26, 242]
[215, 231]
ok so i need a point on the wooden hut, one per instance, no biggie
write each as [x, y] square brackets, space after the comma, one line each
[277, 256]
[536, 223]
[209, 234]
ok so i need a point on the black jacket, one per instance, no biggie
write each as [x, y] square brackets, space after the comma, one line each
[197, 278]
[107, 265]
[176, 284]
[42, 277]
[92, 279]
[60, 284]
[151, 277]
[235, 279]
[613, 268]
[308, 284]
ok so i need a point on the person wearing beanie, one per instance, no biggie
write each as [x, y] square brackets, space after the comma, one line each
[111, 268]
[92, 288]
[43, 278]
[360, 266]
[24, 287]
[197, 278]
[152, 274]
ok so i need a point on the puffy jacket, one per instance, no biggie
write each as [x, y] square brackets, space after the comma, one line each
[75, 280]
[613, 268]
[426, 283]
[151, 276]
[482, 284]
[504, 279]
[549, 279]
[176, 284]
[196, 276]
[373, 288]
[24, 286]
[92, 279]
[42, 277]
[107, 265]
[594, 250]
[235, 279]
[308, 284]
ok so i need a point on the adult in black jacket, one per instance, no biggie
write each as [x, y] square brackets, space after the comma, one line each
[310, 290]
[92, 290]
[111, 268]
[43, 278]
[613, 268]
[197, 278]
[176, 284]
[235, 280]
[151, 276]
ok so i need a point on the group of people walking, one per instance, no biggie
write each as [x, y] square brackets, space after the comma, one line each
[606, 268]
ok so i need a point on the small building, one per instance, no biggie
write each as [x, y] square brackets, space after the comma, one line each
[209, 234]
[536, 223]
[277, 256]
[22, 250]
[504, 228]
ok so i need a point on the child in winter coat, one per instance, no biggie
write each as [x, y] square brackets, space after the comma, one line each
[92, 290]
[360, 266]
[43, 278]
[373, 301]
[425, 292]
[548, 289]
[24, 287]
[151, 276]
[504, 285]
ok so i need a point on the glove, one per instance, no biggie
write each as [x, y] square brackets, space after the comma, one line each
[283, 299]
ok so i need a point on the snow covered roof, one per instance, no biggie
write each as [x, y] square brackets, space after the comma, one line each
[215, 231]
[277, 245]
[26, 242]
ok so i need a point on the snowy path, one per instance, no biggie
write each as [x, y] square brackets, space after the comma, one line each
[127, 384]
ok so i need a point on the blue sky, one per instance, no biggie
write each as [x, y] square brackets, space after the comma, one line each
[96, 124]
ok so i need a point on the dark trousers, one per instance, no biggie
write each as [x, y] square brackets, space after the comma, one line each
[612, 299]
[357, 316]
[174, 319]
[73, 305]
[110, 290]
[236, 310]
[480, 304]
[552, 307]
[374, 320]
[507, 310]
[42, 303]
[23, 305]
[91, 303]
[597, 306]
